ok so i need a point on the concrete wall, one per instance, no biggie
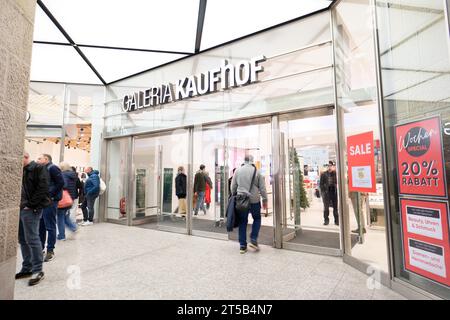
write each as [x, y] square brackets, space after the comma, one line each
[16, 37]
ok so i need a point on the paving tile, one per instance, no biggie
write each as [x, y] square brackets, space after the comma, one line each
[116, 262]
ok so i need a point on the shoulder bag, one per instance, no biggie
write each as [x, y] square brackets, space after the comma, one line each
[243, 199]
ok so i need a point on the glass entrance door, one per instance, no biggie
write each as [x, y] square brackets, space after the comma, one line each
[159, 162]
[221, 149]
[310, 217]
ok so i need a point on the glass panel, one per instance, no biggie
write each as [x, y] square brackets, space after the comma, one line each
[303, 90]
[210, 151]
[45, 29]
[273, 44]
[263, 14]
[156, 163]
[83, 125]
[310, 216]
[364, 215]
[171, 24]
[118, 205]
[414, 37]
[45, 104]
[60, 64]
[221, 149]
[115, 64]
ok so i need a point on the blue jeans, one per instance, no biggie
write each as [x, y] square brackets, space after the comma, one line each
[30, 243]
[48, 224]
[63, 221]
[88, 208]
[255, 210]
[200, 202]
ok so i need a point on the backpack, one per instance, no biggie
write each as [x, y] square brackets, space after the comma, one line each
[102, 186]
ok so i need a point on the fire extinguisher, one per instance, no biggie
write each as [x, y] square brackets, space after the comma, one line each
[122, 207]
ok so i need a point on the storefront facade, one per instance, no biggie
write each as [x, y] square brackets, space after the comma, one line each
[363, 84]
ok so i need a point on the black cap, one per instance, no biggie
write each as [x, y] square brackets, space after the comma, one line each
[331, 163]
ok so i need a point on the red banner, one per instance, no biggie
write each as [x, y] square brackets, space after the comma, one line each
[426, 238]
[419, 158]
[361, 162]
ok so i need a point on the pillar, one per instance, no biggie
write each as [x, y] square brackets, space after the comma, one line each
[16, 38]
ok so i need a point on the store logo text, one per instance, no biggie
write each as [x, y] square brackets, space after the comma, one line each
[222, 78]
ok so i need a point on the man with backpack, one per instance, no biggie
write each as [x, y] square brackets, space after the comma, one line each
[249, 186]
[91, 192]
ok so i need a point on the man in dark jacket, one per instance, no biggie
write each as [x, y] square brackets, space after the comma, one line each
[91, 192]
[180, 190]
[34, 198]
[328, 190]
[199, 190]
[48, 221]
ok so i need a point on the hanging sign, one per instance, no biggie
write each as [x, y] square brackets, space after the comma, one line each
[361, 162]
[426, 238]
[419, 158]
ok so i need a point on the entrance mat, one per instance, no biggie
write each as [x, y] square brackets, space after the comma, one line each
[209, 226]
[266, 234]
[320, 238]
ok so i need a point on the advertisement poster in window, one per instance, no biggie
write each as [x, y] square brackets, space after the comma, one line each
[426, 238]
[361, 162]
[419, 158]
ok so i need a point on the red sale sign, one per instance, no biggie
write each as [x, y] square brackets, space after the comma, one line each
[426, 238]
[361, 162]
[419, 158]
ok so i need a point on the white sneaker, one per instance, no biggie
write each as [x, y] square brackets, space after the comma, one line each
[86, 223]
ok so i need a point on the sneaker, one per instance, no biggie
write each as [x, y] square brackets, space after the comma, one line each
[49, 256]
[357, 231]
[23, 274]
[326, 222]
[243, 250]
[87, 223]
[254, 245]
[36, 278]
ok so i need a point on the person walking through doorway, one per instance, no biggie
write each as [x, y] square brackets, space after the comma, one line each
[208, 188]
[328, 190]
[48, 220]
[91, 192]
[34, 197]
[180, 190]
[242, 184]
[199, 190]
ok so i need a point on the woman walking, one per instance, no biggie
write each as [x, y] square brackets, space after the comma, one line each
[70, 187]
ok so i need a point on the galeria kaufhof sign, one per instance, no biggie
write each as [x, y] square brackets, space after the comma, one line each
[222, 78]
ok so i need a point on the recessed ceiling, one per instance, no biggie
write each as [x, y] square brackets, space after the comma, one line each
[101, 41]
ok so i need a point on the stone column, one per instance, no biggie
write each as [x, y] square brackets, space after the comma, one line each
[16, 39]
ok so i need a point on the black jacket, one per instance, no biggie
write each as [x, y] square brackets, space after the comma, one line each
[325, 182]
[180, 185]
[199, 182]
[55, 182]
[35, 194]
[70, 183]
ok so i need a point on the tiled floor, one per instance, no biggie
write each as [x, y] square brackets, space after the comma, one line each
[108, 261]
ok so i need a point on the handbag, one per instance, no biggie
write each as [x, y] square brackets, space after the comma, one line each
[66, 200]
[243, 199]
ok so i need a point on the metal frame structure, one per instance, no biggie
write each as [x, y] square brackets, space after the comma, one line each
[198, 39]
[389, 279]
